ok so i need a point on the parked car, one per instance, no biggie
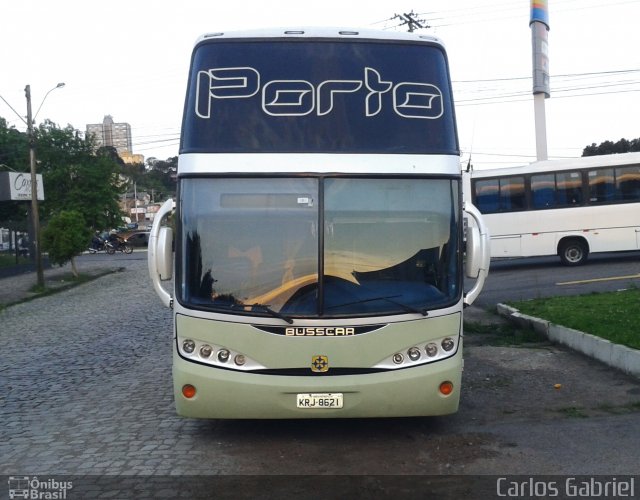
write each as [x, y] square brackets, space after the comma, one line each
[137, 238]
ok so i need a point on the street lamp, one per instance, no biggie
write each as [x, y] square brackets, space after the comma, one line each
[34, 187]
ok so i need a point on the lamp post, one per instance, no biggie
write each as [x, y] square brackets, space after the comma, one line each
[35, 216]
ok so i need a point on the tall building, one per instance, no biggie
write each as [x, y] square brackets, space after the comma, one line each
[107, 133]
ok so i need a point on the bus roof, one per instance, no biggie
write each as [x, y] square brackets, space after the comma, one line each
[611, 160]
[322, 32]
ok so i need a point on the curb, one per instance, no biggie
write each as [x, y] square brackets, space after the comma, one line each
[618, 356]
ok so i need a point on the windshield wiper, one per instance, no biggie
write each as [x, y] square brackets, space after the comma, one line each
[388, 298]
[267, 309]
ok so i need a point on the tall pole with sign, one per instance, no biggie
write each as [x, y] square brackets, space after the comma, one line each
[539, 24]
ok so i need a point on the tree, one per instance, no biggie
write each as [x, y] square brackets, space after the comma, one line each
[66, 236]
[609, 147]
[77, 179]
[14, 156]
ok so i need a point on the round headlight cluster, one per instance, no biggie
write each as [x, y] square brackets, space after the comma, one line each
[211, 354]
[433, 350]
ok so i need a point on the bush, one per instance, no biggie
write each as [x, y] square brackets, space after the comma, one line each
[65, 237]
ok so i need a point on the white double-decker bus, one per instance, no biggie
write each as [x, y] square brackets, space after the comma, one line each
[569, 208]
[318, 229]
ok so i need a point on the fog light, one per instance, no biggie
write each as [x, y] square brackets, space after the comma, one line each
[239, 359]
[205, 351]
[431, 349]
[188, 391]
[188, 346]
[446, 388]
[398, 358]
[414, 354]
[223, 355]
[448, 344]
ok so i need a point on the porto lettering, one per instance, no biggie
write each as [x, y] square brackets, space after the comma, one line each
[301, 97]
[328, 331]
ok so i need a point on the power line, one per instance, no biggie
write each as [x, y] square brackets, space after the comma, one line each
[411, 20]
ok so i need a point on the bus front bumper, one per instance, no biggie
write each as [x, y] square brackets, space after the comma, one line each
[227, 394]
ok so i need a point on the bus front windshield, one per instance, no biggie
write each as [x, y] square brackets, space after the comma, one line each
[304, 247]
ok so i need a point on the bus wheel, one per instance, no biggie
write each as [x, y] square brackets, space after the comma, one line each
[573, 252]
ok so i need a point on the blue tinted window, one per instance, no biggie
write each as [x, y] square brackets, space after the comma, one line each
[320, 96]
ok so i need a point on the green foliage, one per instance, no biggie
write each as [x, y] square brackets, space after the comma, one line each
[609, 147]
[612, 316]
[65, 236]
[14, 153]
[77, 179]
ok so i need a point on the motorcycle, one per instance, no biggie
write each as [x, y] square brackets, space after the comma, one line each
[97, 245]
[118, 246]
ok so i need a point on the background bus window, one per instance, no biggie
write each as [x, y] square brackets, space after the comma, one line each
[602, 188]
[543, 191]
[628, 183]
[487, 196]
[512, 194]
[569, 188]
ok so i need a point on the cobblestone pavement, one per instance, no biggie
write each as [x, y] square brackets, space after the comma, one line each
[85, 392]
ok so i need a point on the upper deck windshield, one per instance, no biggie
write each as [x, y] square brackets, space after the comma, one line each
[318, 247]
[319, 96]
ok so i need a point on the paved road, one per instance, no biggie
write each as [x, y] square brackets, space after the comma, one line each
[523, 279]
[85, 390]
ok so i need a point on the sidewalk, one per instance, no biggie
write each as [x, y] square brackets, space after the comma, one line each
[17, 287]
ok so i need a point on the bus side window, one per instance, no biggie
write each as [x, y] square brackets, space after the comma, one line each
[601, 186]
[628, 183]
[512, 195]
[543, 191]
[487, 195]
[569, 188]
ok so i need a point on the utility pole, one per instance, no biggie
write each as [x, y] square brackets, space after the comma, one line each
[35, 215]
[411, 20]
[539, 25]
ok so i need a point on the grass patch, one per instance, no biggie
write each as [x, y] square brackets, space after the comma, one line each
[612, 316]
[9, 259]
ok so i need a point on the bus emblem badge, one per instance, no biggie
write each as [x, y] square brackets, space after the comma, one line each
[319, 363]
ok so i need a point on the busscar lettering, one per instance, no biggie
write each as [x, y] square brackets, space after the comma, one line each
[327, 331]
[300, 97]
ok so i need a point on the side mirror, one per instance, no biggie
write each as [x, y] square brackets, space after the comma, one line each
[164, 253]
[160, 253]
[478, 253]
[473, 261]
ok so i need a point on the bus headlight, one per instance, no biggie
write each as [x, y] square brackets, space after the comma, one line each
[398, 358]
[431, 349]
[188, 346]
[414, 353]
[208, 353]
[448, 344]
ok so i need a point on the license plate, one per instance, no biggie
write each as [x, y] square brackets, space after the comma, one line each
[324, 401]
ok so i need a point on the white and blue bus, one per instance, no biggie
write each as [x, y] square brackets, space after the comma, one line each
[318, 229]
[570, 208]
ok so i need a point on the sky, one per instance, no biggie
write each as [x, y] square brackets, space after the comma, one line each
[129, 59]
